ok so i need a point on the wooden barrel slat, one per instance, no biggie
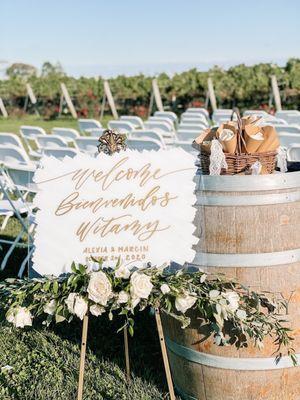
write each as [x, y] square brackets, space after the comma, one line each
[261, 244]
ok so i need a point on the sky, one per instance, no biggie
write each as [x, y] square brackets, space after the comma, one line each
[110, 37]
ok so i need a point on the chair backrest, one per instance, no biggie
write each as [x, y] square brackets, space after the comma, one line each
[137, 122]
[85, 124]
[95, 132]
[22, 176]
[144, 134]
[260, 113]
[162, 119]
[191, 127]
[194, 117]
[198, 110]
[187, 135]
[30, 132]
[51, 141]
[13, 154]
[286, 139]
[293, 152]
[163, 126]
[67, 133]
[60, 153]
[87, 144]
[167, 115]
[290, 116]
[10, 139]
[287, 128]
[121, 126]
[143, 144]
[187, 146]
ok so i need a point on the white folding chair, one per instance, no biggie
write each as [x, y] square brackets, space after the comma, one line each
[121, 126]
[88, 145]
[162, 127]
[187, 126]
[199, 110]
[290, 116]
[10, 139]
[286, 139]
[187, 135]
[143, 144]
[13, 203]
[14, 154]
[144, 134]
[51, 142]
[287, 128]
[29, 134]
[162, 119]
[167, 114]
[94, 132]
[68, 134]
[187, 146]
[293, 152]
[260, 113]
[60, 153]
[194, 118]
[137, 122]
[85, 124]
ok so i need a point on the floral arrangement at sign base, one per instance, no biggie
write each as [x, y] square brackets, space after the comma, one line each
[249, 316]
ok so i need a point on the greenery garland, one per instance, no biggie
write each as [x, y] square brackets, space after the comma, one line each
[232, 313]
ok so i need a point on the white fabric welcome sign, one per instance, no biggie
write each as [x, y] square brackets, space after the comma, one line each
[134, 205]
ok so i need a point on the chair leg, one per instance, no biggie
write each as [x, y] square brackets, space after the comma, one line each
[23, 265]
[11, 249]
[5, 221]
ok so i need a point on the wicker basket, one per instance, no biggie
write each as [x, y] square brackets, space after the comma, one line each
[238, 163]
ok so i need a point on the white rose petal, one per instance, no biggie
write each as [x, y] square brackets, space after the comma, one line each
[50, 307]
[70, 300]
[213, 294]
[203, 277]
[165, 288]
[184, 302]
[140, 285]
[241, 314]
[97, 310]
[123, 297]
[99, 288]
[80, 307]
[122, 272]
[135, 301]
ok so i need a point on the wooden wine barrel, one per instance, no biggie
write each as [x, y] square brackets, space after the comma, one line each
[249, 229]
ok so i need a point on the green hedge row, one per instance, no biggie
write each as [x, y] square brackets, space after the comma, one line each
[242, 86]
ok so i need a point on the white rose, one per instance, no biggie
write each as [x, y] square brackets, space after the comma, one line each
[80, 307]
[99, 288]
[50, 307]
[165, 288]
[122, 272]
[233, 300]
[70, 300]
[20, 317]
[97, 310]
[134, 302]
[184, 302]
[140, 285]
[123, 297]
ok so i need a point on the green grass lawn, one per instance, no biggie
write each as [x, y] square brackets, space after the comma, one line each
[12, 125]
